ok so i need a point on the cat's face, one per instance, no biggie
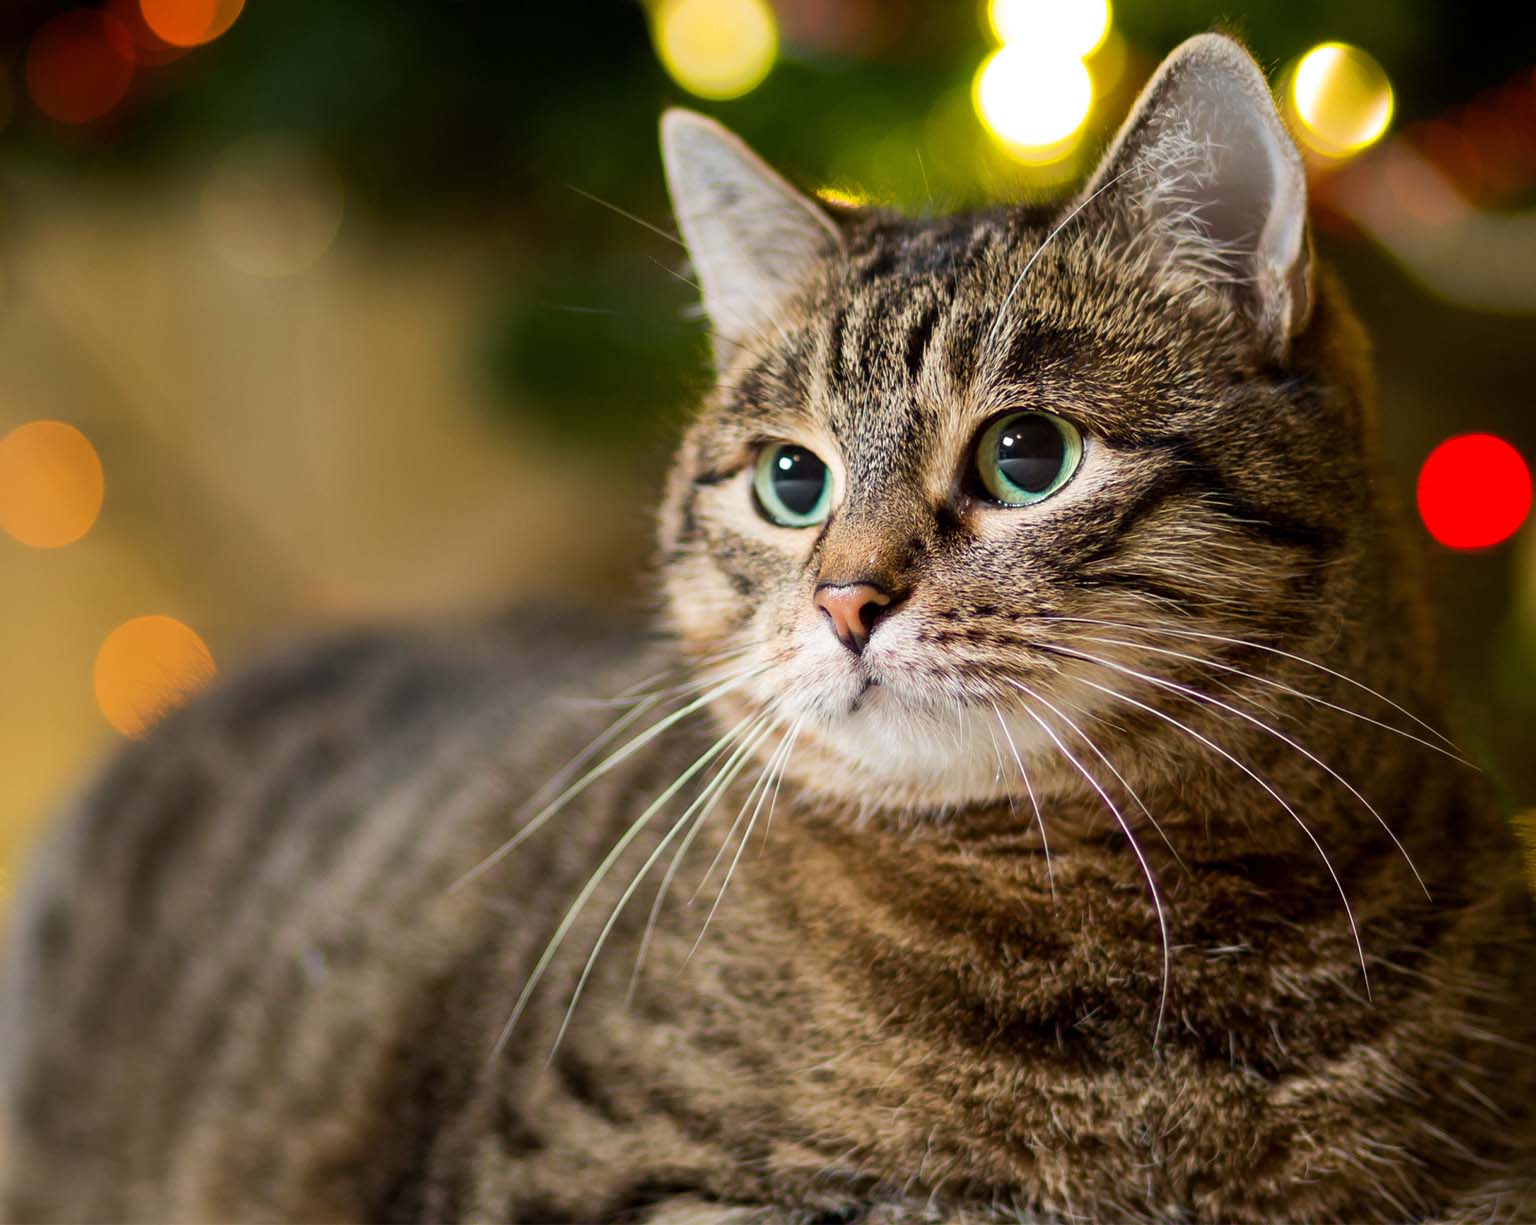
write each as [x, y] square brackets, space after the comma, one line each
[947, 461]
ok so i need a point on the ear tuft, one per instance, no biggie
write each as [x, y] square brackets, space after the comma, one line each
[1205, 173]
[753, 239]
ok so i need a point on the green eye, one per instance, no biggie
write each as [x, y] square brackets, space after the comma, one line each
[1024, 458]
[793, 487]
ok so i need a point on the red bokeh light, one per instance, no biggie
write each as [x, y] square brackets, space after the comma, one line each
[1474, 491]
[79, 65]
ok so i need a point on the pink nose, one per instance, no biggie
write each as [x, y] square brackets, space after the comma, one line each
[852, 609]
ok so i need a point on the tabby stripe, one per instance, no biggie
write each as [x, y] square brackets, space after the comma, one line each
[836, 332]
[919, 338]
[1273, 527]
[260, 880]
[1148, 501]
[1139, 583]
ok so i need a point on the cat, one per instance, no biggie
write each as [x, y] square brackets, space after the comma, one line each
[1027, 806]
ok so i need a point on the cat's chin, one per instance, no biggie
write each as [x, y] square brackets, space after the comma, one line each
[873, 739]
[881, 729]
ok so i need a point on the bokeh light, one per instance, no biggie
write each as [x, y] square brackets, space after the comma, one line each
[145, 668]
[272, 207]
[1059, 27]
[1341, 98]
[716, 48]
[1474, 491]
[51, 484]
[1108, 63]
[1035, 105]
[188, 23]
[79, 66]
[844, 196]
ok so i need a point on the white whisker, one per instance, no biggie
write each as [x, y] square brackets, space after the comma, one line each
[1275, 795]
[794, 735]
[1291, 690]
[607, 764]
[1125, 828]
[1038, 251]
[746, 836]
[1195, 695]
[750, 740]
[1269, 650]
[1050, 875]
[720, 854]
[709, 797]
[600, 873]
[1120, 778]
[627, 215]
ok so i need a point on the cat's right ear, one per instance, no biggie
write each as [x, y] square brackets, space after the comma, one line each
[753, 239]
[1207, 180]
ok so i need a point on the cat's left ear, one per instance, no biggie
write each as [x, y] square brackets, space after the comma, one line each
[1205, 172]
[753, 239]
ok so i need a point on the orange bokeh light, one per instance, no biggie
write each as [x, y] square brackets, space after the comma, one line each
[51, 484]
[79, 65]
[188, 23]
[147, 667]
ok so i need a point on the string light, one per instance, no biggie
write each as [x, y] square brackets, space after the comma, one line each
[145, 668]
[716, 48]
[51, 484]
[1474, 491]
[1341, 99]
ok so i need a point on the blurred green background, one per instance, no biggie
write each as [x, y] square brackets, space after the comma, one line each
[361, 307]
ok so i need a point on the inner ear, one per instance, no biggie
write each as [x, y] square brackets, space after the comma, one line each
[752, 238]
[1204, 174]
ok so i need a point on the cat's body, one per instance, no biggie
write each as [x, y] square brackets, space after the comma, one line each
[1052, 869]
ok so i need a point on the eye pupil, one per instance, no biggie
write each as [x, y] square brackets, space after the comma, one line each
[1030, 453]
[798, 479]
[1025, 457]
[793, 486]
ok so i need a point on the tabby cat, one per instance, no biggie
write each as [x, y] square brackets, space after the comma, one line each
[1029, 808]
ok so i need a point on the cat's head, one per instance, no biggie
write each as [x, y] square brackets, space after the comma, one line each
[949, 459]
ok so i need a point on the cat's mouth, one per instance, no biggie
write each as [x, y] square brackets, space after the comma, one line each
[866, 684]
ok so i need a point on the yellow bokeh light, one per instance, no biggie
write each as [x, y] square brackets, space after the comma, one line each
[1034, 104]
[1341, 98]
[1066, 27]
[145, 668]
[844, 197]
[716, 48]
[51, 484]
